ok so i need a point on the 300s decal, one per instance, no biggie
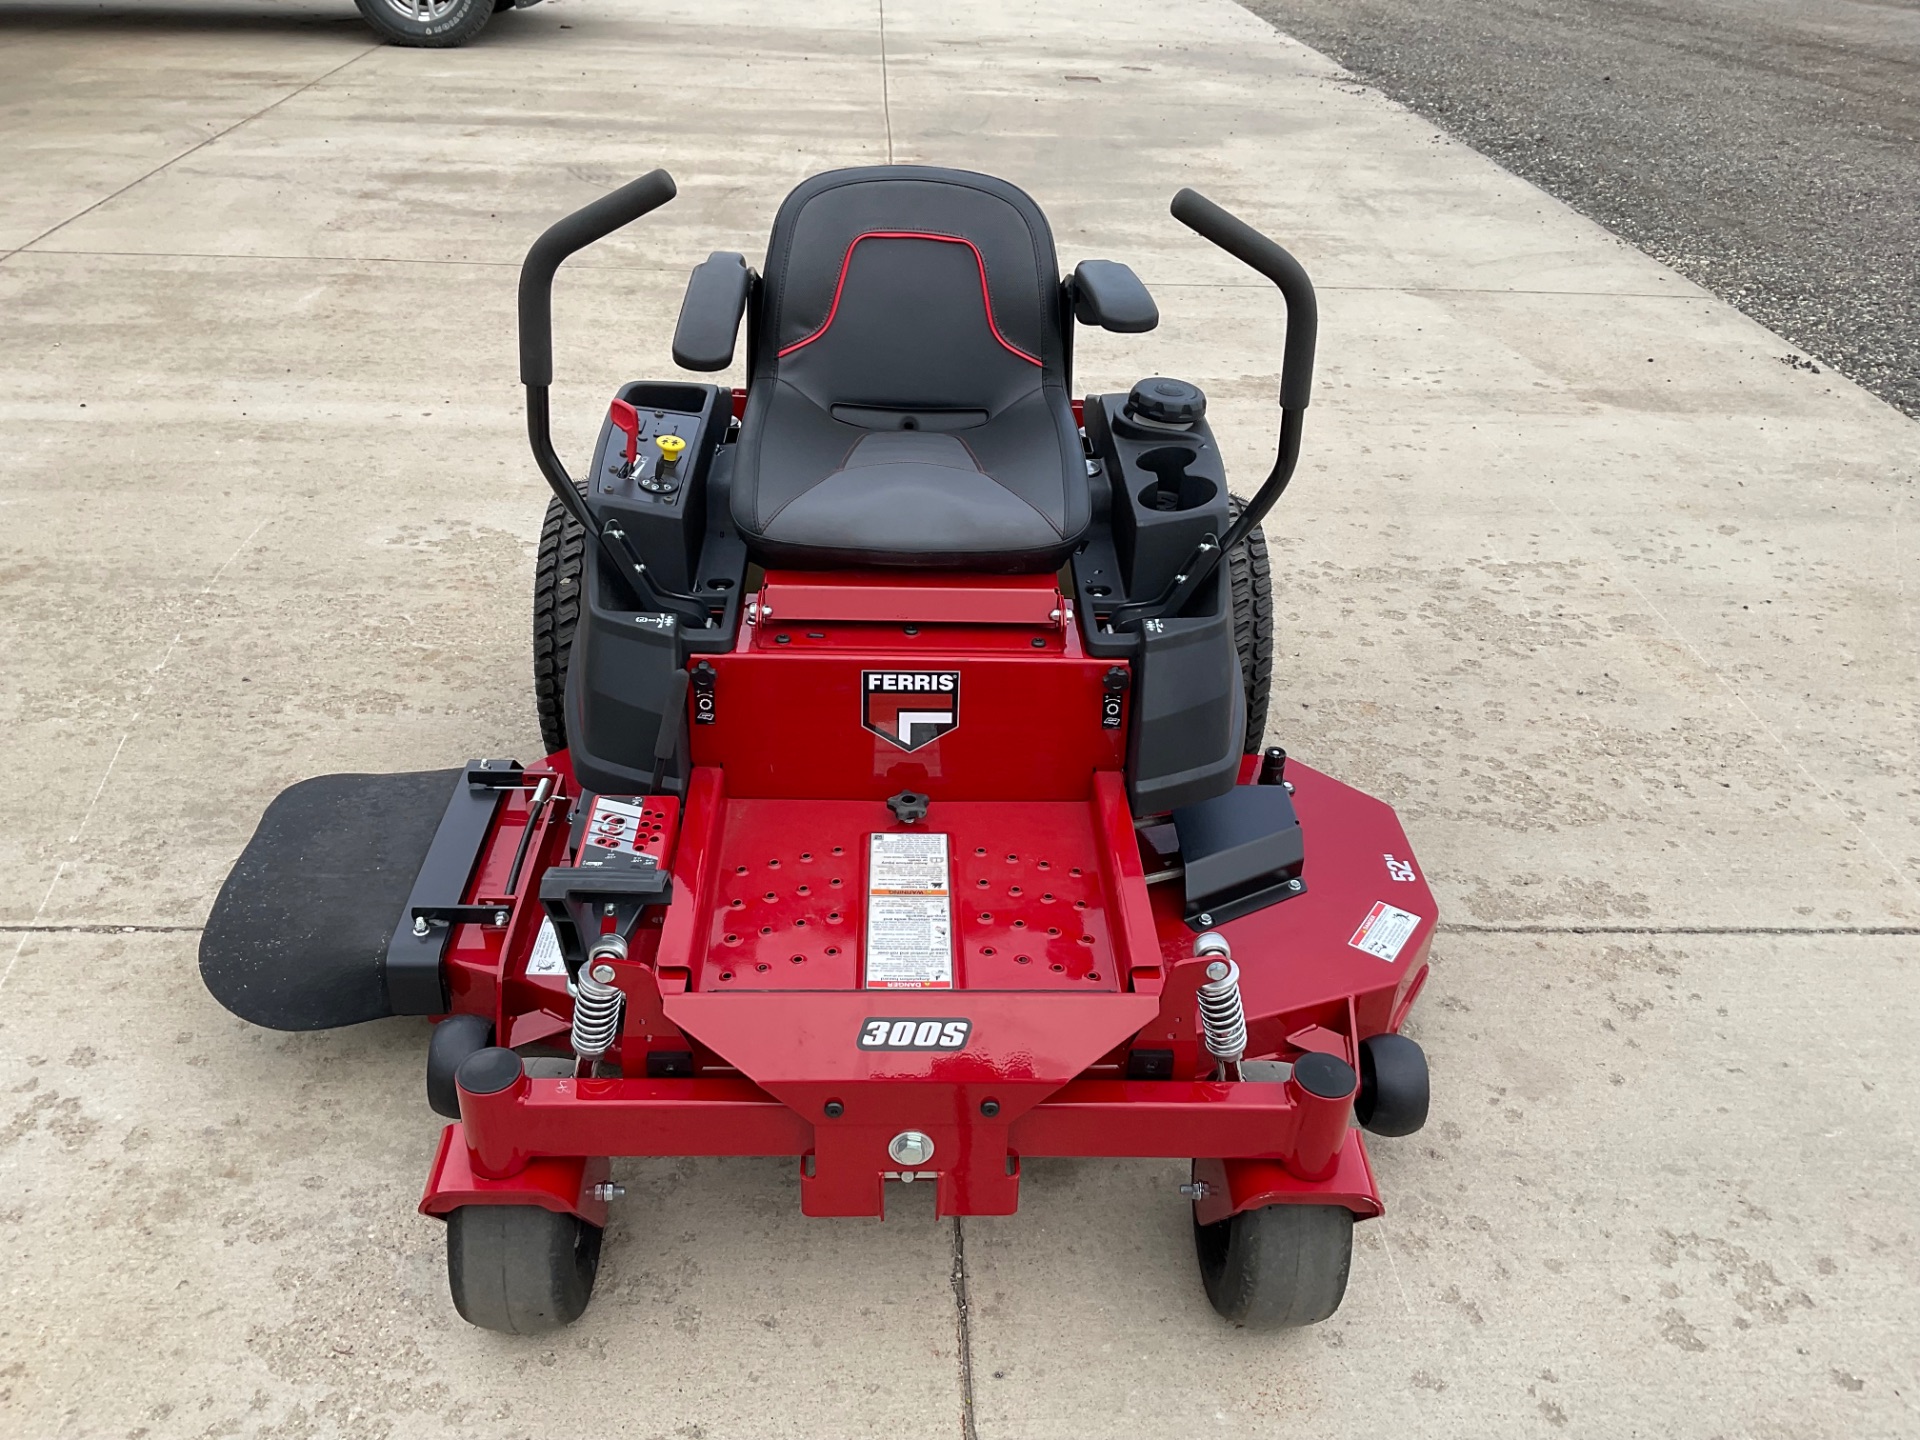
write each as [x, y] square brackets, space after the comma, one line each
[882, 1033]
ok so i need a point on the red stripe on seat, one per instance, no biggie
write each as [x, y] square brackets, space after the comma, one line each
[986, 297]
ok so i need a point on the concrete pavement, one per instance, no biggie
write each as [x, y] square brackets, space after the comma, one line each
[1611, 604]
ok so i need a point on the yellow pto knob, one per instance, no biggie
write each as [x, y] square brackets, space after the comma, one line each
[671, 448]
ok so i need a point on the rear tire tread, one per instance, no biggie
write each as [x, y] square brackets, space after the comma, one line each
[556, 611]
[1250, 578]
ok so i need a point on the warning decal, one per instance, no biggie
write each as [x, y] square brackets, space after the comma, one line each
[1385, 931]
[909, 913]
[546, 958]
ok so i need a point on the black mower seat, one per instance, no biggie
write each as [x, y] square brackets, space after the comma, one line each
[909, 402]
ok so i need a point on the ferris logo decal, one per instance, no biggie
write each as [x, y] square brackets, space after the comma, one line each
[884, 1034]
[910, 708]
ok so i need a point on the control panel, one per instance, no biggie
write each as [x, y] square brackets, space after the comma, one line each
[651, 467]
[649, 458]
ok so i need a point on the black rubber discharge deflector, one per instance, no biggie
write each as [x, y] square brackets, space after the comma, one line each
[298, 935]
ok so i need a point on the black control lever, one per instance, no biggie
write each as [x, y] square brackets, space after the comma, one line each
[673, 724]
[561, 239]
[1251, 248]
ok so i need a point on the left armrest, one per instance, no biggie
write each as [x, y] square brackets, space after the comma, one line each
[710, 315]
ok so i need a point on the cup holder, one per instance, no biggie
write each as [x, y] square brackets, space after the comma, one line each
[1173, 487]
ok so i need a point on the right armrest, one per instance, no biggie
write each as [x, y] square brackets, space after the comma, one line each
[1108, 294]
[710, 315]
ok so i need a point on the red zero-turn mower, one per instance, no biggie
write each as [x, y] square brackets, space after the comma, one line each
[906, 812]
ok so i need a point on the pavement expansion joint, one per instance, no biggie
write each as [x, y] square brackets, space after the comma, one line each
[337, 261]
[963, 1331]
[101, 929]
[1451, 927]
[173, 160]
[886, 96]
[1472, 929]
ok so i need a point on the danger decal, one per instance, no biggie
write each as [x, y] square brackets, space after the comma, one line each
[909, 915]
[910, 708]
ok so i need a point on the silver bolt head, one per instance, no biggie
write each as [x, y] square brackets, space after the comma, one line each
[420, 926]
[911, 1148]
[604, 973]
[1217, 970]
[607, 1190]
[1196, 1190]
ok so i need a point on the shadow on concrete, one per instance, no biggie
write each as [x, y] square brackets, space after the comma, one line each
[260, 17]
[221, 17]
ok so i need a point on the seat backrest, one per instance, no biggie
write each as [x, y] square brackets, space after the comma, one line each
[911, 288]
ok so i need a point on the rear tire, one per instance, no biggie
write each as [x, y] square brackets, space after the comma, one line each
[1279, 1267]
[520, 1269]
[434, 24]
[1250, 578]
[556, 611]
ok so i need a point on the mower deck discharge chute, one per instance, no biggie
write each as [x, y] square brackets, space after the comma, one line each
[906, 812]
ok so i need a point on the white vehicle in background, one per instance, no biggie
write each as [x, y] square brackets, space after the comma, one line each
[435, 23]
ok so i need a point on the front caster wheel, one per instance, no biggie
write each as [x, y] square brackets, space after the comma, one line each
[1278, 1267]
[520, 1269]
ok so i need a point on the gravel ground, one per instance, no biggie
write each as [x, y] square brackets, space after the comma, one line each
[1767, 149]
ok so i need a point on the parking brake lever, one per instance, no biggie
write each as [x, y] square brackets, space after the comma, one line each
[626, 419]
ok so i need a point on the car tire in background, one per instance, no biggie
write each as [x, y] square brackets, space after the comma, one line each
[437, 24]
